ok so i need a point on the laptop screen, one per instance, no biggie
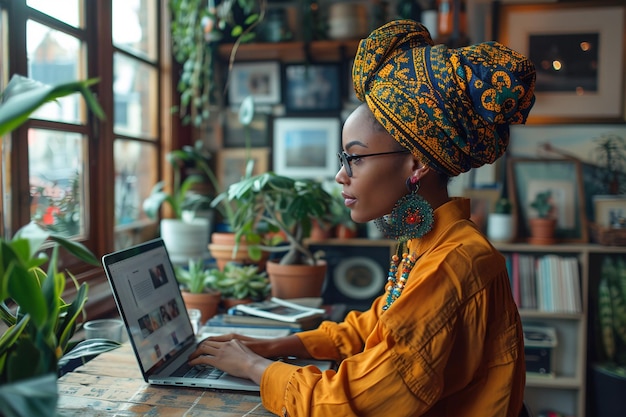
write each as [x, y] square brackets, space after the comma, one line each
[148, 297]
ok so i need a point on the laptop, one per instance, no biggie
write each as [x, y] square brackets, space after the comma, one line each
[159, 329]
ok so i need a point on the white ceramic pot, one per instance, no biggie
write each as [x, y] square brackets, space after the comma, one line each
[186, 240]
[500, 227]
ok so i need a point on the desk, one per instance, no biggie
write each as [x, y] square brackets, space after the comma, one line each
[111, 384]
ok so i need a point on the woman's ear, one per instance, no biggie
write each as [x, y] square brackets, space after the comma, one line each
[419, 169]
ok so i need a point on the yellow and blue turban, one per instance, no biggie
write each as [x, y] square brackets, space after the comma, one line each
[452, 107]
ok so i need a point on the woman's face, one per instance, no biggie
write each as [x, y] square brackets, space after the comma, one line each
[377, 182]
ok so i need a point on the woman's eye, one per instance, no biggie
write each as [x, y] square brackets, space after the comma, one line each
[355, 158]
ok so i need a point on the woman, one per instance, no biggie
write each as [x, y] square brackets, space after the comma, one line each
[446, 338]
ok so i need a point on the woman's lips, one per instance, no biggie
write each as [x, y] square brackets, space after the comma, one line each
[348, 200]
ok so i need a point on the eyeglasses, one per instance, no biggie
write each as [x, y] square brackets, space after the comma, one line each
[345, 159]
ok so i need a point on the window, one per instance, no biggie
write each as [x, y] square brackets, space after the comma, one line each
[70, 172]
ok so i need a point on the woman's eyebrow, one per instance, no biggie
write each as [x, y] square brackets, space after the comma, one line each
[355, 143]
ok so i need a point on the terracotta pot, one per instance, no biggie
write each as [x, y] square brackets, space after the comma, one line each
[344, 232]
[296, 281]
[221, 248]
[207, 303]
[320, 232]
[542, 231]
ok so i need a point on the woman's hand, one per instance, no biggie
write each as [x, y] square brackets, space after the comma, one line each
[230, 354]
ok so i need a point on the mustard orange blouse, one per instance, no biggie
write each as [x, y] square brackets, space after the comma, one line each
[451, 345]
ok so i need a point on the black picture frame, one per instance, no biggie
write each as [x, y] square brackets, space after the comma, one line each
[312, 87]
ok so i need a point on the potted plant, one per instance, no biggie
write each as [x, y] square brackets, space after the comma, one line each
[609, 371]
[242, 284]
[185, 234]
[287, 208]
[500, 222]
[542, 226]
[199, 288]
[40, 323]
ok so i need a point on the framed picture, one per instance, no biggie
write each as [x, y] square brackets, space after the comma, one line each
[259, 79]
[231, 164]
[610, 210]
[563, 177]
[483, 201]
[312, 87]
[306, 147]
[235, 132]
[578, 51]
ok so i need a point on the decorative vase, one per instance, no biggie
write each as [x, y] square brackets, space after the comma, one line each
[207, 302]
[185, 240]
[296, 281]
[542, 231]
[500, 227]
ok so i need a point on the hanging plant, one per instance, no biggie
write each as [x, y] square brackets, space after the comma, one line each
[197, 27]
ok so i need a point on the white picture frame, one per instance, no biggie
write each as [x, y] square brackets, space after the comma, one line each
[306, 147]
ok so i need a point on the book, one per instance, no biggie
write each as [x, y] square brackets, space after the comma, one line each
[244, 320]
[280, 310]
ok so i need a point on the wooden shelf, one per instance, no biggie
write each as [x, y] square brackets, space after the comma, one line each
[327, 50]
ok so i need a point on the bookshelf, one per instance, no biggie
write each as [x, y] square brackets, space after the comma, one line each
[565, 391]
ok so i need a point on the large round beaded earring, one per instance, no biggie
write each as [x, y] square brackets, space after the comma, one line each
[410, 218]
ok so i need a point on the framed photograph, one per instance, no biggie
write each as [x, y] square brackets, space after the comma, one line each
[235, 132]
[563, 177]
[306, 147]
[231, 164]
[312, 87]
[610, 210]
[578, 51]
[259, 79]
[483, 202]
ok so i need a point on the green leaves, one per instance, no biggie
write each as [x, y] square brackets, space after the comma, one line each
[23, 96]
[40, 327]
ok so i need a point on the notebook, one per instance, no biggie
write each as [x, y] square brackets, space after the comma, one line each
[151, 305]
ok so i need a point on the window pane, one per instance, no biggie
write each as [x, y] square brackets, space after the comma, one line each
[136, 97]
[64, 10]
[54, 57]
[57, 177]
[134, 27]
[135, 175]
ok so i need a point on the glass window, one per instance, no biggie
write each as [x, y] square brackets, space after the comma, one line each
[57, 180]
[136, 97]
[134, 27]
[67, 11]
[135, 175]
[54, 57]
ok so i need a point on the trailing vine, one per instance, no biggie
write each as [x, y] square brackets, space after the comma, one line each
[197, 27]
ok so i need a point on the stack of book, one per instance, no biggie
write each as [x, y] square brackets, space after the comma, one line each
[274, 313]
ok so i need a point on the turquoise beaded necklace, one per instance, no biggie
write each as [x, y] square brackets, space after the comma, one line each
[396, 285]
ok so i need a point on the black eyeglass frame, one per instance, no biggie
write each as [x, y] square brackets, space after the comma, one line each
[345, 158]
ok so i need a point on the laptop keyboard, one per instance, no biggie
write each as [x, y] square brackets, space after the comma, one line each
[198, 371]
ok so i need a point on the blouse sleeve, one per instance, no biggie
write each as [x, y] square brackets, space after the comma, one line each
[362, 385]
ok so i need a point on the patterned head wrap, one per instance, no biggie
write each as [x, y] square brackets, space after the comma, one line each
[452, 107]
